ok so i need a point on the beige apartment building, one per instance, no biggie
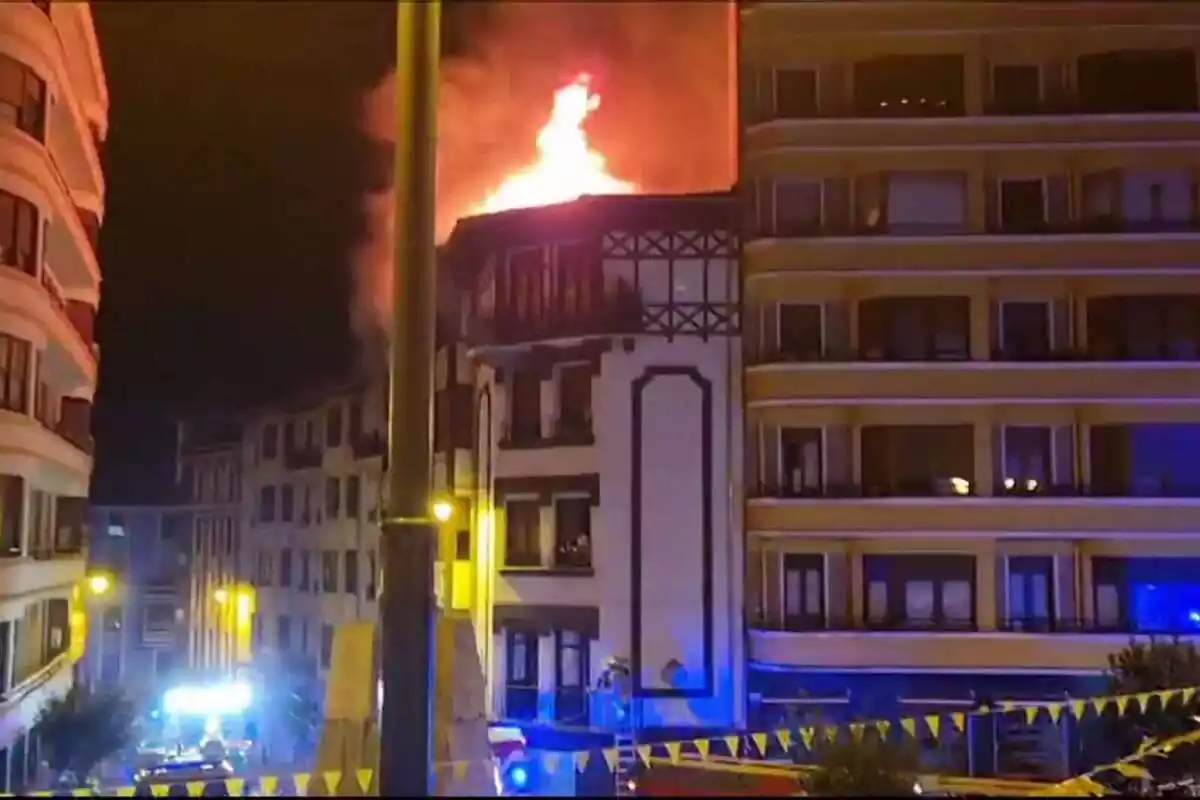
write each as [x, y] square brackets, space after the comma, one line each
[972, 323]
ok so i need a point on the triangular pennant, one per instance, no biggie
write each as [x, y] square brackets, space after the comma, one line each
[236, 787]
[959, 720]
[1007, 706]
[125, 791]
[807, 735]
[760, 742]
[1122, 703]
[610, 758]
[550, 759]
[364, 779]
[87, 792]
[856, 731]
[459, 770]
[909, 725]
[1078, 708]
[1143, 701]
[1055, 710]
[581, 761]
[1186, 695]
[1166, 696]
[194, 788]
[831, 734]
[673, 751]
[785, 739]
[1101, 703]
[1031, 713]
[883, 726]
[333, 779]
[702, 746]
[160, 789]
[644, 753]
[732, 743]
[935, 724]
[300, 779]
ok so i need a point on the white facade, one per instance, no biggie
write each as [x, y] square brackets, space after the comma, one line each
[55, 113]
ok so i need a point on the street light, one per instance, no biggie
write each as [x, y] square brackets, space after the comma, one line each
[409, 541]
[443, 510]
[99, 584]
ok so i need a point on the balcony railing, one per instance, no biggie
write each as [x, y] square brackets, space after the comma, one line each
[1179, 351]
[78, 439]
[815, 229]
[615, 315]
[1032, 625]
[965, 488]
[303, 457]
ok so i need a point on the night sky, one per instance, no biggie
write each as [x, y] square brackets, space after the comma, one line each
[235, 164]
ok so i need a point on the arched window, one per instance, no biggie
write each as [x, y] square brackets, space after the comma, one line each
[22, 97]
[18, 233]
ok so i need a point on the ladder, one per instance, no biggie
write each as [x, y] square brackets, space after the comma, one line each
[627, 763]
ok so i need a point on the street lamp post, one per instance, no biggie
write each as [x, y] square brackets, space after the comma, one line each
[409, 534]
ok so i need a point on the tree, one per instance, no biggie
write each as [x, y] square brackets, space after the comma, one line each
[869, 767]
[83, 727]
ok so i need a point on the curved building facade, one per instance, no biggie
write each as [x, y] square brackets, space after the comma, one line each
[53, 119]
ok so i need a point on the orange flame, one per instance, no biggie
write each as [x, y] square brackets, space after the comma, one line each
[567, 167]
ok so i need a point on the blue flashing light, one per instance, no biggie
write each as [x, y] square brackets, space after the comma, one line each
[518, 776]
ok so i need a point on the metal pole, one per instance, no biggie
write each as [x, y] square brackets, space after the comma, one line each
[409, 534]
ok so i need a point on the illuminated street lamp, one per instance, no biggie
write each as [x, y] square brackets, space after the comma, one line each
[99, 584]
[443, 510]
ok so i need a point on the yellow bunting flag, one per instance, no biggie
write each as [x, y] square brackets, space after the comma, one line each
[959, 721]
[1132, 771]
[610, 758]
[460, 769]
[194, 788]
[1031, 713]
[831, 734]
[1055, 710]
[702, 747]
[333, 779]
[1078, 708]
[581, 761]
[644, 752]
[1122, 702]
[935, 724]
[673, 751]
[126, 791]
[807, 735]
[784, 736]
[731, 743]
[1187, 694]
[856, 731]
[760, 742]
[364, 779]
[883, 726]
[160, 790]
[551, 762]
[1166, 696]
[301, 779]
[1143, 701]
[1101, 703]
[236, 787]
[909, 725]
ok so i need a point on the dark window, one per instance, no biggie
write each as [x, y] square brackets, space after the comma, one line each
[803, 591]
[800, 332]
[1147, 594]
[571, 677]
[795, 93]
[356, 420]
[285, 568]
[1145, 459]
[1025, 330]
[326, 646]
[22, 98]
[1144, 327]
[918, 460]
[1030, 593]
[526, 411]
[910, 86]
[305, 566]
[372, 572]
[287, 502]
[1016, 89]
[333, 497]
[1137, 81]
[289, 436]
[575, 399]
[915, 328]
[329, 571]
[797, 208]
[800, 452]
[12, 504]
[303, 636]
[351, 568]
[1022, 205]
[353, 497]
[521, 674]
[462, 545]
[573, 532]
[920, 592]
[522, 533]
[265, 576]
[528, 274]
[270, 441]
[266, 504]
[284, 633]
[306, 505]
[1028, 453]
[333, 426]
[15, 356]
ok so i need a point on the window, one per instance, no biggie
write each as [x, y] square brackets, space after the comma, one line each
[1136, 81]
[284, 638]
[12, 504]
[521, 674]
[285, 568]
[573, 532]
[266, 504]
[289, 436]
[326, 646]
[1144, 459]
[1016, 89]
[910, 86]
[920, 592]
[353, 497]
[915, 328]
[265, 570]
[797, 207]
[270, 441]
[356, 420]
[800, 452]
[372, 571]
[1028, 459]
[1144, 327]
[526, 413]
[22, 98]
[923, 203]
[305, 505]
[351, 567]
[18, 233]
[803, 591]
[918, 460]
[287, 502]
[801, 336]
[333, 426]
[575, 399]
[795, 93]
[329, 571]
[333, 497]
[15, 358]
[305, 573]
[1022, 205]
[1030, 593]
[523, 533]
[1025, 330]
[571, 677]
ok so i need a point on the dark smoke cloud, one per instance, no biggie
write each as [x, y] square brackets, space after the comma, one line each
[661, 68]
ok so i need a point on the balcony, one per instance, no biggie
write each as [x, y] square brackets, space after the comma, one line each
[368, 445]
[20, 705]
[303, 457]
[613, 316]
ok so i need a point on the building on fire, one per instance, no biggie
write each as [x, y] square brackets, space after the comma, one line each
[972, 322]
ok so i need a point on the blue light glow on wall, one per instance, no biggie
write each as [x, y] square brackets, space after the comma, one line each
[1164, 594]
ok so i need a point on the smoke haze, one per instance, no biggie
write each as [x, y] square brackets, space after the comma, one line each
[661, 69]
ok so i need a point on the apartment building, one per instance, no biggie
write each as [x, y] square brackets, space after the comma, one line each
[588, 426]
[972, 320]
[54, 105]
